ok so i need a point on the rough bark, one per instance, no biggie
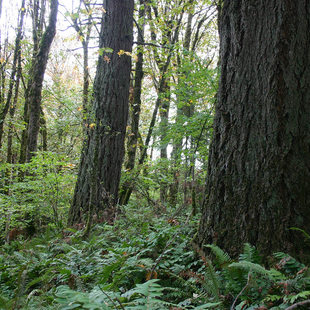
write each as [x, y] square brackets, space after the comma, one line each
[35, 83]
[96, 190]
[11, 156]
[135, 109]
[258, 184]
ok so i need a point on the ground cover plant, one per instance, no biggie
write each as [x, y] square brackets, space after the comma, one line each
[142, 262]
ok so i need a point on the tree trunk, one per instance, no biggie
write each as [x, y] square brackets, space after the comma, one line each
[163, 125]
[135, 109]
[35, 83]
[11, 156]
[43, 130]
[84, 36]
[17, 52]
[97, 186]
[258, 184]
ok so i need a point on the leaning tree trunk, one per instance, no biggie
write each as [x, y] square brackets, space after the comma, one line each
[258, 183]
[96, 190]
[35, 83]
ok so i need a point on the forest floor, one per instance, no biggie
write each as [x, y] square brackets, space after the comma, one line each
[143, 261]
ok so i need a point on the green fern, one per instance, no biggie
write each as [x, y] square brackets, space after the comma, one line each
[148, 297]
[248, 266]
[222, 258]
[250, 254]
[96, 299]
[212, 280]
[229, 278]
[306, 235]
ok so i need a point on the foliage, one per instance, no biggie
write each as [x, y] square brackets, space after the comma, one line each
[141, 262]
[35, 193]
[145, 259]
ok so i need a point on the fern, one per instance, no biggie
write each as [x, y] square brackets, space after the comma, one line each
[250, 254]
[301, 295]
[231, 278]
[222, 258]
[70, 299]
[248, 266]
[212, 280]
[306, 235]
[148, 296]
[209, 305]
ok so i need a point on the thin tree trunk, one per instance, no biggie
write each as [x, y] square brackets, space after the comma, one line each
[84, 37]
[160, 91]
[18, 39]
[258, 184]
[10, 153]
[43, 130]
[135, 110]
[163, 125]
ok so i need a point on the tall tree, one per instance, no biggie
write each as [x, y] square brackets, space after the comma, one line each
[258, 184]
[97, 186]
[17, 52]
[135, 109]
[36, 76]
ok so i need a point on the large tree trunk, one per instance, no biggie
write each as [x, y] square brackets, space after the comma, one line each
[100, 168]
[258, 183]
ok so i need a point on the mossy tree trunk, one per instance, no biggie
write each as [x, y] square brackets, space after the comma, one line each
[33, 97]
[96, 191]
[258, 184]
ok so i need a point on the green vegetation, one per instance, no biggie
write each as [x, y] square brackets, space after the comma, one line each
[143, 261]
[109, 197]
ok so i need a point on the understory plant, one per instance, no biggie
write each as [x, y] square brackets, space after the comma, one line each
[142, 262]
[35, 194]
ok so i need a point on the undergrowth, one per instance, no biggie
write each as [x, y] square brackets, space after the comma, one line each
[142, 262]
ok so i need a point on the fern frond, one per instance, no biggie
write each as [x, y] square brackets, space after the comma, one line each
[306, 235]
[151, 292]
[250, 254]
[212, 281]
[222, 258]
[248, 266]
[209, 305]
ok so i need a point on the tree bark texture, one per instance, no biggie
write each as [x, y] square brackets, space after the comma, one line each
[34, 91]
[97, 186]
[258, 184]
[135, 109]
[11, 154]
